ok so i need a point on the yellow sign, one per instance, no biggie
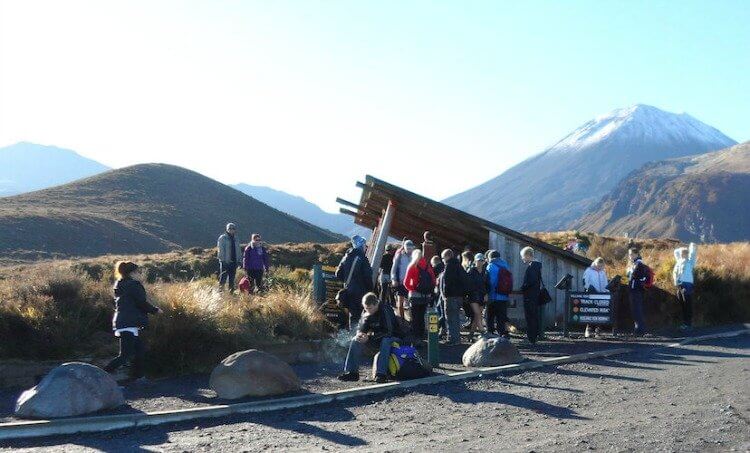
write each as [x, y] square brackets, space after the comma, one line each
[433, 328]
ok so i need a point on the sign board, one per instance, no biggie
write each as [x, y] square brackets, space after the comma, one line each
[590, 308]
[332, 285]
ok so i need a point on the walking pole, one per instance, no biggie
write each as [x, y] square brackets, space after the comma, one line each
[433, 353]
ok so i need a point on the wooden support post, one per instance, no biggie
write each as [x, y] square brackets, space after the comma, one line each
[382, 238]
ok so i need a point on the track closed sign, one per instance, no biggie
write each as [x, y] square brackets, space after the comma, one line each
[590, 308]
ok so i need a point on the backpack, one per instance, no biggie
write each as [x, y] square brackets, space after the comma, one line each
[405, 363]
[649, 282]
[504, 282]
[424, 286]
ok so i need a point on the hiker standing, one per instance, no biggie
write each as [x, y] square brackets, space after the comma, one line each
[477, 290]
[378, 328]
[256, 262]
[420, 282]
[438, 267]
[638, 275]
[595, 281]
[384, 276]
[682, 275]
[498, 294]
[452, 292]
[356, 273]
[229, 254]
[130, 318]
[532, 288]
[398, 274]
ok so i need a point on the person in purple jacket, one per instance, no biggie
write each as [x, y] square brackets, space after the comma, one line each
[255, 262]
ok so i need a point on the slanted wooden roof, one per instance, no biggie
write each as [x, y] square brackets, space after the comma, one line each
[416, 214]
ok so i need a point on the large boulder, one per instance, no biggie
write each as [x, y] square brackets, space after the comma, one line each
[491, 351]
[70, 389]
[253, 373]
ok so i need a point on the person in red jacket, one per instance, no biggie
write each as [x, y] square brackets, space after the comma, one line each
[420, 282]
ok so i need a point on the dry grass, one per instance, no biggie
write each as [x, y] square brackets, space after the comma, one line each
[54, 311]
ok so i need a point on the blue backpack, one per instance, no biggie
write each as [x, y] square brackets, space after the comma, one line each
[405, 363]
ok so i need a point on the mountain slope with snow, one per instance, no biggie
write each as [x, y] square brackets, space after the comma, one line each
[552, 190]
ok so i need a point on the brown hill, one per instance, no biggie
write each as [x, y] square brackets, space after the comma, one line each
[702, 198]
[140, 209]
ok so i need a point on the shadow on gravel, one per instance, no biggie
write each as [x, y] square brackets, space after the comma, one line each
[460, 393]
[583, 374]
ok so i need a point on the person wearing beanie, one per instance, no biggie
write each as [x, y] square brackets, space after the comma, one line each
[401, 262]
[355, 272]
[256, 262]
[229, 253]
[496, 314]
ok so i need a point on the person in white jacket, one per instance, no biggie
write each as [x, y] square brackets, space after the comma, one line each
[682, 276]
[595, 280]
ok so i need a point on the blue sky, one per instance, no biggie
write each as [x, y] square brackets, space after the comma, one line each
[308, 96]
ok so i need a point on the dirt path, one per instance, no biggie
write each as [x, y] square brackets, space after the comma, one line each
[692, 398]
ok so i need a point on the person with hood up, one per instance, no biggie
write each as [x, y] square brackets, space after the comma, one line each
[682, 276]
[398, 273]
[420, 282]
[496, 314]
[356, 273]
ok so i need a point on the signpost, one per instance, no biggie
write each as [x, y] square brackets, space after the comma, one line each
[325, 288]
[433, 355]
[590, 308]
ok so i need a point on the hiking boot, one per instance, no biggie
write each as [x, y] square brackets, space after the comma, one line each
[381, 378]
[351, 376]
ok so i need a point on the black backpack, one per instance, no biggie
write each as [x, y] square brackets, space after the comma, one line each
[425, 285]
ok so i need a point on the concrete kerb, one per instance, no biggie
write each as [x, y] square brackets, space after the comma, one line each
[43, 428]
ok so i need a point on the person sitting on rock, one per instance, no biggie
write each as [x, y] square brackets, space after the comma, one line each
[377, 328]
[131, 316]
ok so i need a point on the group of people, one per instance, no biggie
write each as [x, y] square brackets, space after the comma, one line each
[478, 283]
[255, 260]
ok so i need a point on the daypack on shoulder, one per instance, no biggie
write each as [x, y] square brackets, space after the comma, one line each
[424, 285]
[649, 282]
[504, 282]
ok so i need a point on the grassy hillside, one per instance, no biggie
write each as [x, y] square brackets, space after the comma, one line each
[722, 276]
[145, 208]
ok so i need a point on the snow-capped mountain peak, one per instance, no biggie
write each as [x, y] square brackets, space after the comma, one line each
[640, 122]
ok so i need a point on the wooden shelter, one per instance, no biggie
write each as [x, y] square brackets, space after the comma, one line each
[391, 211]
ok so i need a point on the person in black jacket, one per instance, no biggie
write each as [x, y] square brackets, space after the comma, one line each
[531, 287]
[378, 328]
[356, 264]
[131, 317]
[637, 274]
[477, 290]
[452, 292]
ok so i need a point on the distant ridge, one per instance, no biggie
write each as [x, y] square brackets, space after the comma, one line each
[25, 167]
[140, 209]
[552, 190]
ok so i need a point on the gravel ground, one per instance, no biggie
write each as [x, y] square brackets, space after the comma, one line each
[193, 391]
[690, 398]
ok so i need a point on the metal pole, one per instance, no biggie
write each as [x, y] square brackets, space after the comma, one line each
[567, 314]
[382, 238]
[433, 346]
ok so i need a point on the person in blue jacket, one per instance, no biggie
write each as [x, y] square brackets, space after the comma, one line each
[496, 313]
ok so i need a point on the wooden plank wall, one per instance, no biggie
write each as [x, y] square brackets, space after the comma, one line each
[553, 269]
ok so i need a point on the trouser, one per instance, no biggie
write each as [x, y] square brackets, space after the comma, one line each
[417, 312]
[636, 309]
[452, 309]
[355, 354]
[685, 296]
[256, 278]
[227, 272]
[496, 315]
[467, 310]
[531, 313]
[131, 350]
